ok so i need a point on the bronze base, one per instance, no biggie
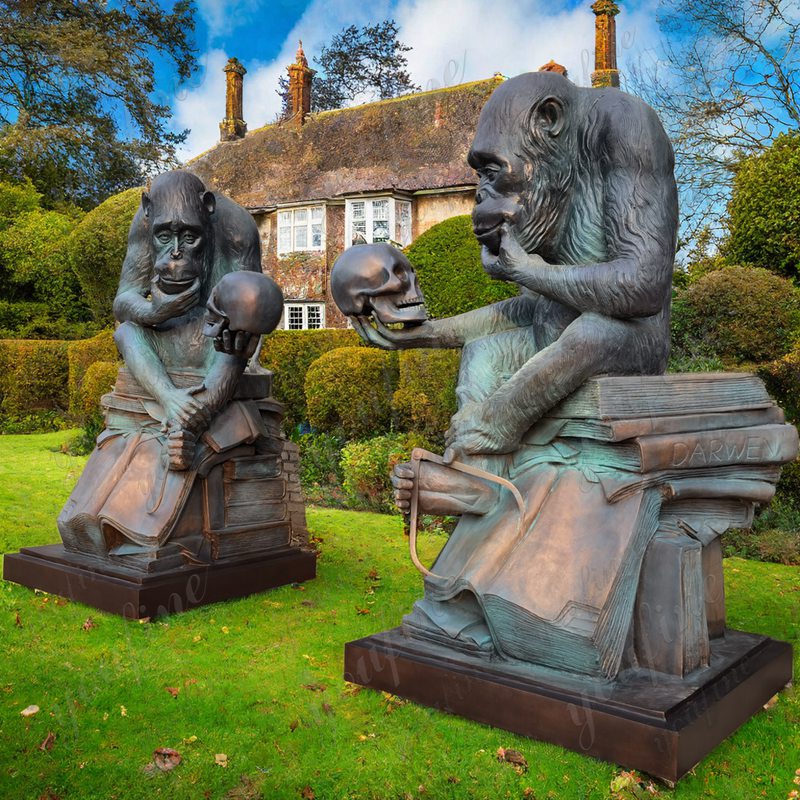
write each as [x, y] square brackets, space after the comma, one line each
[645, 720]
[53, 569]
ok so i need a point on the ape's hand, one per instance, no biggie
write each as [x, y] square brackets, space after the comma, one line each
[403, 483]
[422, 335]
[235, 343]
[166, 306]
[512, 262]
[184, 410]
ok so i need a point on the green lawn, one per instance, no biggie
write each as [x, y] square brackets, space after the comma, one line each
[259, 680]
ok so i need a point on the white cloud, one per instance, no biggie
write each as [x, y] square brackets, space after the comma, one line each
[223, 16]
[453, 41]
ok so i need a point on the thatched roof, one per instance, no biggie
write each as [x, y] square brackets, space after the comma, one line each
[419, 141]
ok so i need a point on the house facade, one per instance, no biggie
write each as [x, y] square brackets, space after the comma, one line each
[318, 183]
[385, 171]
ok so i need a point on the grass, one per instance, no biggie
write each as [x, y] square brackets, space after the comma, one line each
[259, 680]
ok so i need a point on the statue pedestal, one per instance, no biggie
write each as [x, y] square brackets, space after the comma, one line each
[659, 724]
[133, 595]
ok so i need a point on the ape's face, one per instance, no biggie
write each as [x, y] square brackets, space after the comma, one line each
[179, 239]
[523, 163]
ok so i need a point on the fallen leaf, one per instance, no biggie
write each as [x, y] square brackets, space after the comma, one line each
[513, 757]
[166, 759]
[48, 742]
[173, 690]
[362, 611]
[293, 725]
[17, 620]
[144, 620]
[89, 624]
[123, 712]
[772, 702]
[373, 575]
[29, 711]
[221, 760]
[327, 709]
[314, 687]
[225, 629]
[453, 779]
[190, 740]
[307, 793]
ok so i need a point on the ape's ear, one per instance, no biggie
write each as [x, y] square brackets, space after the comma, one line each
[549, 115]
[147, 204]
[209, 201]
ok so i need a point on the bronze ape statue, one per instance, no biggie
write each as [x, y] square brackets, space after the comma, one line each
[576, 204]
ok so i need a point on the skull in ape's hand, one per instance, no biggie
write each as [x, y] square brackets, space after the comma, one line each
[242, 306]
[377, 279]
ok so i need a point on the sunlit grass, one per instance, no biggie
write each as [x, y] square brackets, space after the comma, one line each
[259, 680]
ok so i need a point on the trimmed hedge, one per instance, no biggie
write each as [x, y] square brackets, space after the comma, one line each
[289, 354]
[81, 356]
[447, 259]
[425, 398]
[33, 376]
[741, 314]
[367, 468]
[99, 380]
[97, 249]
[348, 391]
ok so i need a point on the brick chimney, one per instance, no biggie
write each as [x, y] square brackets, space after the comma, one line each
[553, 66]
[605, 44]
[300, 76]
[233, 126]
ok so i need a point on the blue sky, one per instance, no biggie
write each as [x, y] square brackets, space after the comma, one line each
[453, 41]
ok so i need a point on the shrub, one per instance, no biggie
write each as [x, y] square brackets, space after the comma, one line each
[425, 398]
[97, 249]
[288, 354]
[782, 379]
[33, 376]
[99, 380]
[447, 258]
[348, 391]
[367, 467]
[320, 470]
[81, 355]
[741, 314]
[765, 207]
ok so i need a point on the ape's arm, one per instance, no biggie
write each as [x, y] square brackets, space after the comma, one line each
[454, 331]
[639, 223]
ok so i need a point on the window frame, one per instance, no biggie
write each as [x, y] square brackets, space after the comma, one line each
[293, 227]
[394, 217]
[304, 306]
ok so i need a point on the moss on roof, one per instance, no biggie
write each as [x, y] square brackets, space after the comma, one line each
[418, 141]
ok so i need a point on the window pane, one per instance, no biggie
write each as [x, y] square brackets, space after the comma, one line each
[294, 318]
[316, 214]
[300, 216]
[284, 240]
[358, 209]
[284, 218]
[316, 237]
[314, 317]
[380, 231]
[403, 223]
[301, 238]
[380, 209]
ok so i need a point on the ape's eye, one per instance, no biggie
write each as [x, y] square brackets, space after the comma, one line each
[189, 238]
[490, 171]
[164, 237]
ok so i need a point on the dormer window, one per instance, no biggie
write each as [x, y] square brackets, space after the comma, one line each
[377, 219]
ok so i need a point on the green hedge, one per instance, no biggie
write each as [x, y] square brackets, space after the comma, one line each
[97, 249]
[349, 390]
[289, 354]
[33, 376]
[447, 259]
[99, 380]
[741, 314]
[367, 468]
[81, 356]
[425, 398]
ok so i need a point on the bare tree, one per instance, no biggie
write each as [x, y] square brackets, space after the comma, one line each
[725, 84]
